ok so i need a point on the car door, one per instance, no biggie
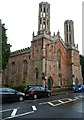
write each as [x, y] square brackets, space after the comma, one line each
[43, 91]
[37, 91]
[5, 95]
[12, 94]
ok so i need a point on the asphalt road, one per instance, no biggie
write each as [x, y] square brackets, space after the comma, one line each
[66, 106]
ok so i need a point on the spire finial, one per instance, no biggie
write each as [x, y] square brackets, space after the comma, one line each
[58, 33]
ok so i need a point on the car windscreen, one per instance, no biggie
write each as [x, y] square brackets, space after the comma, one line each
[31, 89]
[42, 88]
[3, 90]
[11, 90]
[35, 88]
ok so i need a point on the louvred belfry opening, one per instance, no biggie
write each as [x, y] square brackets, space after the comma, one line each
[44, 18]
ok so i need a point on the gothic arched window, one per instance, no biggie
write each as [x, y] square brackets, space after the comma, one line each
[36, 73]
[44, 12]
[59, 59]
[13, 81]
[67, 27]
[41, 12]
[13, 68]
[25, 70]
[41, 9]
[44, 9]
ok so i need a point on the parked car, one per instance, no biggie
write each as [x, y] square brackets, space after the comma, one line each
[80, 88]
[9, 94]
[29, 86]
[37, 92]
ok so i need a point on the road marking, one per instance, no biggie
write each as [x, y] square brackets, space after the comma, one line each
[9, 109]
[51, 104]
[65, 99]
[18, 115]
[47, 102]
[70, 99]
[76, 98]
[80, 96]
[66, 102]
[54, 105]
[51, 101]
[60, 101]
[14, 112]
[34, 108]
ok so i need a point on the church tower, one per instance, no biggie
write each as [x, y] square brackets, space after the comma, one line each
[38, 44]
[69, 33]
[44, 18]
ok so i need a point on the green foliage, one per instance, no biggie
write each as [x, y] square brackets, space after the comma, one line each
[16, 87]
[5, 48]
[0, 46]
[22, 88]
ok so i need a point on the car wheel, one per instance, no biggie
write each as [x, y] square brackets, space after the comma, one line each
[21, 98]
[48, 94]
[35, 96]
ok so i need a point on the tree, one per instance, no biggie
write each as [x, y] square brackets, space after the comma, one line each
[5, 48]
[82, 64]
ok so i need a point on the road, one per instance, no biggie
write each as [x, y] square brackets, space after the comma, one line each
[57, 106]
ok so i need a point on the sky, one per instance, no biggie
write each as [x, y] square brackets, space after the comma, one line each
[21, 19]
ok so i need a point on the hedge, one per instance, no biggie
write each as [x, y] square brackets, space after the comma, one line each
[23, 88]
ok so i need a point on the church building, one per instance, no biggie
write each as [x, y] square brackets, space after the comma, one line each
[50, 61]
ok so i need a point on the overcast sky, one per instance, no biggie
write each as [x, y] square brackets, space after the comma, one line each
[21, 19]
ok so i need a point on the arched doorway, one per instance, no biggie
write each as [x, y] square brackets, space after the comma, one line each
[50, 83]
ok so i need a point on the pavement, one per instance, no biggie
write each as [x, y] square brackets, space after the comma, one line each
[61, 92]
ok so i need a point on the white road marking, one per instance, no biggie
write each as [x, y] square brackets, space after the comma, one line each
[14, 112]
[34, 108]
[18, 115]
[51, 104]
[64, 99]
[54, 104]
[66, 102]
[9, 109]
[70, 99]
[47, 102]
[80, 96]
[58, 104]
[60, 101]
[76, 98]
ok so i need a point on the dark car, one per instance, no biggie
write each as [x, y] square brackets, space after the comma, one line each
[8, 94]
[80, 88]
[37, 92]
